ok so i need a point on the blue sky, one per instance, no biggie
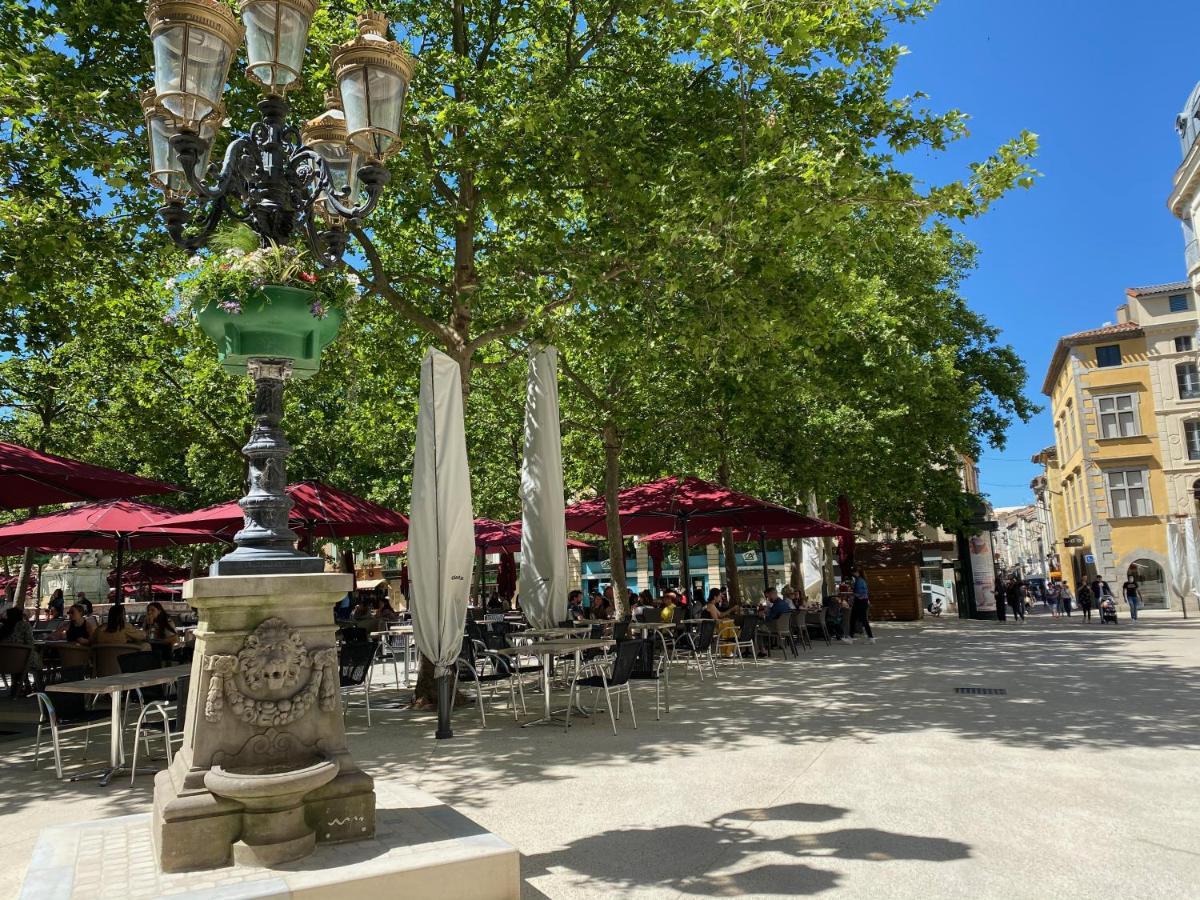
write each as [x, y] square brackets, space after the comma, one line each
[1100, 82]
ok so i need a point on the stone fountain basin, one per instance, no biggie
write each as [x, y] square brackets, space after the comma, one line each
[264, 786]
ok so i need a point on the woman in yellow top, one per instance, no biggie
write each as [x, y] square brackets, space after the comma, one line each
[668, 611]
[116, 630]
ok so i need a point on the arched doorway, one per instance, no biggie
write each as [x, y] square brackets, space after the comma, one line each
[1152, 582]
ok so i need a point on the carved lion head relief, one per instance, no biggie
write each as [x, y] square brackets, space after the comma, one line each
[273, 658]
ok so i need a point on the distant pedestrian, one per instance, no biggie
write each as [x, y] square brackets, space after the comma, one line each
[1000, 591]
[861, 610]
[1084, 595]
[1133, 598]
[1016, 598]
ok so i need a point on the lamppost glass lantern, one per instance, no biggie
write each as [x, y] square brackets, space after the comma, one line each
[373, 75]
[166, 171]
[276, 35]
[326, 135]
[194, 43]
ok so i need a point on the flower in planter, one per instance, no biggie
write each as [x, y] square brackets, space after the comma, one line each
[238, 268]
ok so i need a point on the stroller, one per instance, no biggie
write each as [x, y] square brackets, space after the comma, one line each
[1108, 611]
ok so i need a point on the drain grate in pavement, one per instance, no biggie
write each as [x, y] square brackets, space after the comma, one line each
[974, 690]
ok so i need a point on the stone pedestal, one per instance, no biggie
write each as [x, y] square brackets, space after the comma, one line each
[263, 700]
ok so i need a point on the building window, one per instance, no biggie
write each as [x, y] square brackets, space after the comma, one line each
[1118, 415]
[1191, 437]
[1179, 303]
[1183, 344]
[1108, 355]
[1127, 495]
[1187, 376]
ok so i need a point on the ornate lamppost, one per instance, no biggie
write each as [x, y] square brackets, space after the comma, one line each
[284, 183]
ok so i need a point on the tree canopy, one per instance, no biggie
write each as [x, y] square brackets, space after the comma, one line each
[704, 205]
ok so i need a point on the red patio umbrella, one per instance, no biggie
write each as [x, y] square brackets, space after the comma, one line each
[106, 525]
[318, 510]
[678, 503]
[30, 478]
[490, 537]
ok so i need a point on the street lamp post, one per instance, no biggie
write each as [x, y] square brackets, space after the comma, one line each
[318, 181]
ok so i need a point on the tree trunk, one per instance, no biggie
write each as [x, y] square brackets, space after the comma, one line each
[797, 548]
[827, 546]
[731, 567]
[194, 566]
[26, 568]
[612, 519]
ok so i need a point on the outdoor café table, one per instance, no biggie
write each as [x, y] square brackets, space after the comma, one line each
[555, 633]
[546, 651]
[404, 633]
[116, 686]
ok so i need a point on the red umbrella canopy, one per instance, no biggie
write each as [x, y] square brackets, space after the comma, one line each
[147, 571]
[318, 510]
[665, 504]
[809, 528]
[29, 478]
[100, 526]
[490, 537]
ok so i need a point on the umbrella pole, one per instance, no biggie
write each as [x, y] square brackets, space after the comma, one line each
[120, 567]
[762, 550]
[482, 576]
[445, 704]
[685, 574]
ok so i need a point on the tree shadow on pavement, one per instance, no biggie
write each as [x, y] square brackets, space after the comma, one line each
[723, 858]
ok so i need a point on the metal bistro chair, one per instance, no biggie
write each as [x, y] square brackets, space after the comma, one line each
[743, 641]
[69, 715]
[698, 648]
[172, 728]
[354, 672]
[798, 629]
[475, 660]
[659, 673]
[780, 630]
[613, 681]
[14, 665]
[816, 619]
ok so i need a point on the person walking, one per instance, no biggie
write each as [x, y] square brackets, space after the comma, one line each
[1133, 598]
[1054, 600]
[860, 611]
[1016, 598]
[1084, 595]
[1000, 591]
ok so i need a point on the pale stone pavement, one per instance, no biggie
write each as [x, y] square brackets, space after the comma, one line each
[855, 771]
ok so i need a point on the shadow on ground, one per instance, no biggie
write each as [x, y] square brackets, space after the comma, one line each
[724, 856]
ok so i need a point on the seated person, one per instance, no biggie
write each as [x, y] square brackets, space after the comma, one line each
[77, 629]
[116, 630]
[777, 606]
[385, 611]
[667, 612]
[835, 611]
[575, 611]
[161, 629]
[712, 608]
[494, 605]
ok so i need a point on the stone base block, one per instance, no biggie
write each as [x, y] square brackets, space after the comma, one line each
[421, 849]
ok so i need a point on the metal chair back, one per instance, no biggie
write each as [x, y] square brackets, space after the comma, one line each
[354, 662]
[627, 658]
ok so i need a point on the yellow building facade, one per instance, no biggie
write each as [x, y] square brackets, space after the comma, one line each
[1104, 477]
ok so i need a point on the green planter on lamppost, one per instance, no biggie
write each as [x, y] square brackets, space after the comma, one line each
[275, 322]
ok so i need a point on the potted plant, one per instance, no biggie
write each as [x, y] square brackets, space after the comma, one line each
[262, 302]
